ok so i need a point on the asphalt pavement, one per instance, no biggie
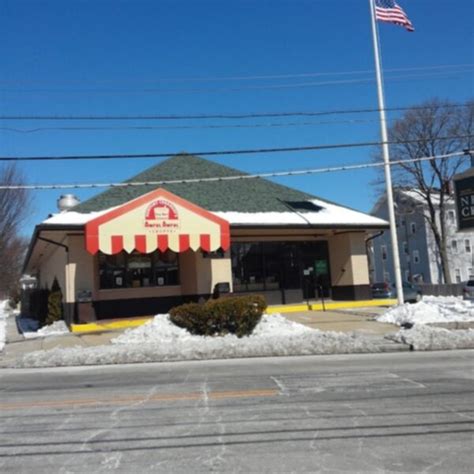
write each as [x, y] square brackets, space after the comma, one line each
[392, 412]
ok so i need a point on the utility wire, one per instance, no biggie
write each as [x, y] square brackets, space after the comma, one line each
[224, 116]
[302, 85]
[241, 77]
[187, 127]
[250, 151]
[275, 174]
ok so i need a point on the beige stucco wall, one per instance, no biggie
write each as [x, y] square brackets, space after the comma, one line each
[221, 270]
[79, 269]
[53, 264]
[348, 259]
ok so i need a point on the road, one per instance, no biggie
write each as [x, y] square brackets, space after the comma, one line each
[402, 412]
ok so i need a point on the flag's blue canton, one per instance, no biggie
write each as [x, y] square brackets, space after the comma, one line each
[391, 12]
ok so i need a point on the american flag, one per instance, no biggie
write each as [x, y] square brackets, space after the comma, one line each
[391, 12]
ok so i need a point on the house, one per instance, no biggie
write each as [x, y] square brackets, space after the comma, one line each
[419, 257]
[140, 250]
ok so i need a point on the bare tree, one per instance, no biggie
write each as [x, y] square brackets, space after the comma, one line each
[421, 133]
[14, 206]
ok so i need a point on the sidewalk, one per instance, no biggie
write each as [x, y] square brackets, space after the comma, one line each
[16, 345]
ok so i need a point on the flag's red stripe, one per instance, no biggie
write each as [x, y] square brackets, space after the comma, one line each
[394, 15]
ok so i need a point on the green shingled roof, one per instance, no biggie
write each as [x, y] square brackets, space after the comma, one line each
[247, 195]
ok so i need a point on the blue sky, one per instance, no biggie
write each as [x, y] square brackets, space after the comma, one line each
[101, 56]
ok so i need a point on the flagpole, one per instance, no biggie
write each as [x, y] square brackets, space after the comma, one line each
[386, 159]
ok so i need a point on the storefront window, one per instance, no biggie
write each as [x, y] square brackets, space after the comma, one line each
[137, 270]
[267, 266]
[247, 267]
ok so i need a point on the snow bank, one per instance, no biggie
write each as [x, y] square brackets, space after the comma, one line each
[432, 309]
[3, 322]
[56, 329]
[159, 340]
[160, 329]
[428, 338]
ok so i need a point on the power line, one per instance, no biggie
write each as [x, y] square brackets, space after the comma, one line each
[188, 127]
[243, 77]
[224, 116]
[250, 151]
[275, 174]
[302, 85]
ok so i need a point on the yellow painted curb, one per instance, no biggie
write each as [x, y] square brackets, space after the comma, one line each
[329, 306]
[109, 326]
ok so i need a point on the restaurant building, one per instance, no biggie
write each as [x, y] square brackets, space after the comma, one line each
[140, 250]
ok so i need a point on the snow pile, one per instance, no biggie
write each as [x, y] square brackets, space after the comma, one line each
[159, 340]
[432, 309]
[160, 329]
[3, 322]
[428, 338]
[56, 329]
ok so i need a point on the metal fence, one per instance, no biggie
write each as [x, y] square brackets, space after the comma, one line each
[454, 289]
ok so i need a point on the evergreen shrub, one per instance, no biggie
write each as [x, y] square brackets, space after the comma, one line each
[229, 315]
[55, 303]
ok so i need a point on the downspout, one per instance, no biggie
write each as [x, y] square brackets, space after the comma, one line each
[367, 243]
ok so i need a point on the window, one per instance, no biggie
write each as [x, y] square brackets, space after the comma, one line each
[454, 246]
[416, 256]
[405, 248]
[267, 266]
[457, 275]
[383, 249]
[413, 227]
[467, 245]
[138, 270]
[407, 275]
[451, 217]
[470, 274]
[386, 276]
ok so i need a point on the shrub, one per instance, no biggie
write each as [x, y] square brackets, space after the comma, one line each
[189, 315]
[235, 315]
[55, 303]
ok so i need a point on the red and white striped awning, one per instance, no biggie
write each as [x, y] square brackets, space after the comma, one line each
[157, 220]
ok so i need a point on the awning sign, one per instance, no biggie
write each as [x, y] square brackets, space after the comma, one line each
[157, 220]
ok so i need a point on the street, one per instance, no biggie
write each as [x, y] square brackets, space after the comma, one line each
[400, 412]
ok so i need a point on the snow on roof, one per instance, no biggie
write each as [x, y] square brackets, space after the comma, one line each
[329, 214]
[73, 218]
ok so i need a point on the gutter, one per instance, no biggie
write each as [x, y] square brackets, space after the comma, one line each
[311, 226]
[35, 237]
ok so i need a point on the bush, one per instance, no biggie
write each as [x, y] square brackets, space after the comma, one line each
[230, 315]
[55, 303]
